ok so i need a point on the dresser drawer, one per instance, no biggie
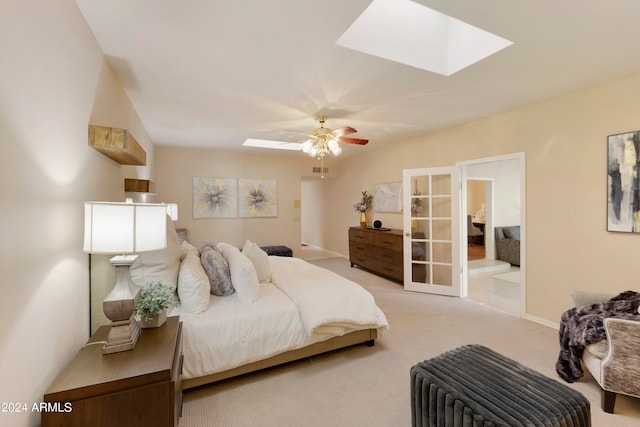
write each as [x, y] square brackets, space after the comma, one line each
[361, 258]
[387, 255]
[359, 246]
[359, 235]
[385, 240]
[393, 271]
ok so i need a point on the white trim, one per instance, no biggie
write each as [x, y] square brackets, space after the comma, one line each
[543, 322]
[523, 229]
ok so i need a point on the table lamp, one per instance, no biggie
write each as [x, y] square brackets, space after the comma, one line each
[124, 229]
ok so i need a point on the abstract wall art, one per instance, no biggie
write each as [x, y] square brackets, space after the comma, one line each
[214, 197]
[388, 197]
[258, 198]
[623, 185]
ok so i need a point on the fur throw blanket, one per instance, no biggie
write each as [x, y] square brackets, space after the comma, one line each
[581, 326]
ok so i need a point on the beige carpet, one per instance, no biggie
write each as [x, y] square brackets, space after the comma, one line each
[363, 386]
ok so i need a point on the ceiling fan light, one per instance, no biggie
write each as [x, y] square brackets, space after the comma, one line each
[334, 147]
[306, 147]
[312, 151]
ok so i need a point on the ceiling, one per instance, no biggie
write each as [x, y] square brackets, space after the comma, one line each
[212, 73]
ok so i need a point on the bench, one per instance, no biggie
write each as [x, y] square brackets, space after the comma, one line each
[475, 386]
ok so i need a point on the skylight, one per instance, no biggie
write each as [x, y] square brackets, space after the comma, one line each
[276, 145]
[407, 32]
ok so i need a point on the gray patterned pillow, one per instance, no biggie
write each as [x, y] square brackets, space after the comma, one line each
[217, 268]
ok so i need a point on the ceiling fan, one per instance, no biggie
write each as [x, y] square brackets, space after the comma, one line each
[323, 141]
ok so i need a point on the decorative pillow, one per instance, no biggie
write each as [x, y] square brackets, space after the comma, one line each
[260, 260]
[193, 284]
[161, 265]
[243, 273]
[512, 233]
[582, 298]
[187, 248]
[217, 269]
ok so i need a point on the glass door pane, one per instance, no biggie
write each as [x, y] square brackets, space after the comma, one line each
[431, 226]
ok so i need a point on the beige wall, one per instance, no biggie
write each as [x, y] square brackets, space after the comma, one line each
[178, 166]
[476, 196]
[564, 140]
[54, 81]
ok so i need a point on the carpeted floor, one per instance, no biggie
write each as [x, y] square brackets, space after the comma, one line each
[363, 386]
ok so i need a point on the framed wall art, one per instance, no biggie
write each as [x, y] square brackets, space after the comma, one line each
[388, 197]
[214, 197]
[258, 198]
[623, 182]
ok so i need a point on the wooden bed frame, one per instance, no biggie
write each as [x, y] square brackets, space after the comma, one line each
[366, 336]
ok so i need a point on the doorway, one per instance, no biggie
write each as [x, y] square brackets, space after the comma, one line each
[479, 191]
[488, 280]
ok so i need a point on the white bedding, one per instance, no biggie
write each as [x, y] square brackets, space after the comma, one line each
[232, 333]
[302, 305]
[330, 305]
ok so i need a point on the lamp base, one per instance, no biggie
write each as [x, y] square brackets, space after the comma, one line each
[118, 306]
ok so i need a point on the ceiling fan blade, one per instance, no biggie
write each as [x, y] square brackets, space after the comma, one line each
[343, 131]
[356, 141]
[298, 132]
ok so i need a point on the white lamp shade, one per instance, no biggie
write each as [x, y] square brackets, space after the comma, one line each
[124, 228]
[172, 211]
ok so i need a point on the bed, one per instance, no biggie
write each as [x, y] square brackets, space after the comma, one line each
[295, 310]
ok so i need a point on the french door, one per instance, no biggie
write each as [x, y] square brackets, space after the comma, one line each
[431, 224]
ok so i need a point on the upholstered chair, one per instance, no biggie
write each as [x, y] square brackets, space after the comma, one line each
[614, 362]
[508, 244]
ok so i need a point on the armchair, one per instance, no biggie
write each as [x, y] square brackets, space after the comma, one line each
[508, 244]
[614, 362]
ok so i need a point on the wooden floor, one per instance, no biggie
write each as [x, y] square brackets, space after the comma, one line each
[475, 252]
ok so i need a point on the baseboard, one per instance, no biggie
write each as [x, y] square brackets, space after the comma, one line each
[543, 322]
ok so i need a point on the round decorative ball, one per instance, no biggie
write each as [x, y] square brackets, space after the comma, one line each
[377, 223]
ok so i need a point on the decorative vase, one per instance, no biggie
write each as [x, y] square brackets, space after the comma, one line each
[155, 321]
[363, 219]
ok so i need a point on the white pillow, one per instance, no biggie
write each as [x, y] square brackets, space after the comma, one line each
[193, 284]
[187, 248]
[161, 265]
[243, 273]
[260, 260]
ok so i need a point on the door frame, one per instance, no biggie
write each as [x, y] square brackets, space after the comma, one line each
[520, 156]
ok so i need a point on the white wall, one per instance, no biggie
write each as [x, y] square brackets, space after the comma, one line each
[54, 81]
[505, 175]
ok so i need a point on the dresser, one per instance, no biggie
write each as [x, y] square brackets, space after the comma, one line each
[137, 387]
[377, 251]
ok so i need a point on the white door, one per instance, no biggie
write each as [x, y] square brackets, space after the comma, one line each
[431, 230]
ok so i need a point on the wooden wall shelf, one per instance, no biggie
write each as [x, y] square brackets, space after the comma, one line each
[117, 144]
[139, 186]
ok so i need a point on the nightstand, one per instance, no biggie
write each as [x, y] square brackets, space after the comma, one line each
[138, 387]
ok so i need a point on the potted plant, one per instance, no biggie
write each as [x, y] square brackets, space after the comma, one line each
[153, 302]
[363, 206]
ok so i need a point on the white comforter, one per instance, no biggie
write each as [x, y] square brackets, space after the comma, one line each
[232, 333]
[330, 305]
[304, 304]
